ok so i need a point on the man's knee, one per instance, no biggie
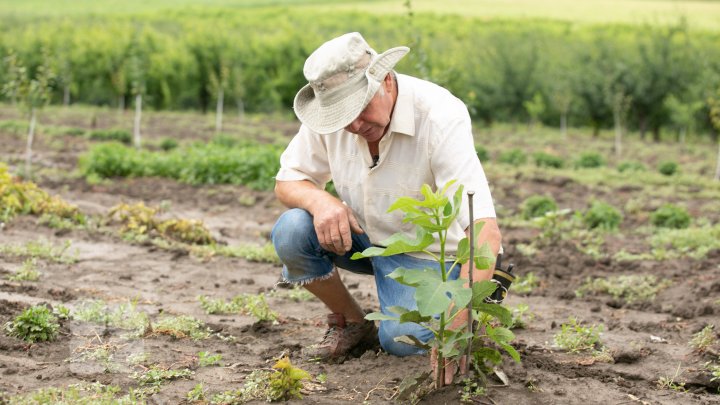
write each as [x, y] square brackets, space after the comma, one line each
[291, 230]
[389, 330]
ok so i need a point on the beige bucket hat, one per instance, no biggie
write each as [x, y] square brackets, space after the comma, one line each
[343, 75]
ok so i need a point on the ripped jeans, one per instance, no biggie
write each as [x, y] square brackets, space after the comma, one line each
[297, 245]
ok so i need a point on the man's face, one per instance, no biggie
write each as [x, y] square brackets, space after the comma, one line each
[373, 121]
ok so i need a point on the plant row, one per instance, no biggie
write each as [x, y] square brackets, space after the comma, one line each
[647, 77]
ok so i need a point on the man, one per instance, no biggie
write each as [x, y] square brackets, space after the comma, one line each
[378, 136]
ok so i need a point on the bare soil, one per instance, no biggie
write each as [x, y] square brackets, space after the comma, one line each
[647, 340]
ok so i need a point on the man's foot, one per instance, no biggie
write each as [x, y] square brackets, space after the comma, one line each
[340, 338]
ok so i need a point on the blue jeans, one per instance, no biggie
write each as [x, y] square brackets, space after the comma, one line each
[297, 245]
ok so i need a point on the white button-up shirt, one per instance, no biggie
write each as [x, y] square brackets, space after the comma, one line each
[429, 141]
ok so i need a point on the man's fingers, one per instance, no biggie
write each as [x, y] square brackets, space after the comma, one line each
[345, 236]
[354, 225]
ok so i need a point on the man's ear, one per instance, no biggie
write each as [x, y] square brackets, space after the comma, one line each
[388, 82]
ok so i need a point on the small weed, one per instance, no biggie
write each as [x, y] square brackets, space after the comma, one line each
[704, 339]
[589, 160]
[206, 359]
[137, 358]
[521, 316]
[553, 225]
[27, 272]
[101, 354]
[714, 370]
[668, 168]
[603, 356]
[248, 304]
[84, 393]
[35, 324]
[631, 167]
[181, 327]
[630, 288]
[62, 312]
[524, 284]
[543, 159]
[471, 390]
[42, 250]
[670, 383]
[574, 337]
[283, 383]
[670, 216]
[197, 393]
[537, 206]
[603, 216]
[156, 376]
[124, 316]
[139, 222]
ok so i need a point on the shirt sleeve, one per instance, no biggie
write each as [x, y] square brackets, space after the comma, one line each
[305, 158]
[453, 157]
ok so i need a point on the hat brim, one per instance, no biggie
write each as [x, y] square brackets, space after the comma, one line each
[328, 118]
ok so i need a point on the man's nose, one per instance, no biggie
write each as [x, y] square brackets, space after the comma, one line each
[354, 126]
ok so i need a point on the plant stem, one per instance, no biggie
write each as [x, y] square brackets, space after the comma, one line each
[442, 236]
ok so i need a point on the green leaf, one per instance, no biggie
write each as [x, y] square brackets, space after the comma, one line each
[379, 316]
[407, 315]
[497, 311]
[511, 351]
[499, 334]
[406, 204]
[482, 290]
[415, 277]
[484, 257]
[481, 351]
[413, 341]
[433, 299]
[463, 251]
[397, 244]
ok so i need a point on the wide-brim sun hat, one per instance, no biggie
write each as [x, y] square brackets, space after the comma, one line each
[343, 75]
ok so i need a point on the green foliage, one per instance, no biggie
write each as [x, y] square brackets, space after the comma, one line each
[515, 157]
[27, 272]
[77, 394]
[575, 337]
[168, 144]
[40, 250]
[297, 294]
[668, 168]
[671, 383]
[113, 135]
[691, 242]
[524, 284]
[35, 324]
[543, 159]
[124, 316]
[631, 167]
[180, 327]
[630, 288]
[603, 216]
[482, 153]
[521, 315]
[704, 339]
[156, 376]
[139, 222]
[590, 160]
[250, 164]
[670, 216]
[537, 206]
[438, 299]
[553, 226]
[248, 304]
[283, 383]
[197, 393]
[206, 359]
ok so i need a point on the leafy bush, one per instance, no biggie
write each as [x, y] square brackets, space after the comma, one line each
[630, 288]
[514, 157]
[543, 159]
[35, 324]
[631, 167]
[114, 135]
[168, 144]
[668, 168]
[603, 216]
[670, 216]
[537, 205]
[590, 160]
[482, 153]
[139, 221]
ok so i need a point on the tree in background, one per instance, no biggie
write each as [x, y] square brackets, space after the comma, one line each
[682, 115]
[30, 92]
[137, 72]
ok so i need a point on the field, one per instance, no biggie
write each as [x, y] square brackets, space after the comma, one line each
[654, 347]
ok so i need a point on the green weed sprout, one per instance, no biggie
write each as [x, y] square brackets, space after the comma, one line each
[439, 300]
[283, 383]
[27, 272]
[206, 359]
[537, 205]
[35, 324]
[704, 339]
[603, 216]
[574, 337]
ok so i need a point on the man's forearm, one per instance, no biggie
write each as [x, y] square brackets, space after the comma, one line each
[300, 194]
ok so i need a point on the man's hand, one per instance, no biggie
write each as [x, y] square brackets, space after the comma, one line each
[334, 224]
[450, 370]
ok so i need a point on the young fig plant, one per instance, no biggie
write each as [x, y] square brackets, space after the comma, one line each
[439, 299]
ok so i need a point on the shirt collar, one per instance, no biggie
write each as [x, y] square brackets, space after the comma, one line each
[403, 118]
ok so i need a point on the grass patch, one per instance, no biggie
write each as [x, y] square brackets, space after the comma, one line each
[629, 288]
[123, 316]
[180, 327]
[246, 304]
[77, 394]
[35, 324]
[27, 272]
